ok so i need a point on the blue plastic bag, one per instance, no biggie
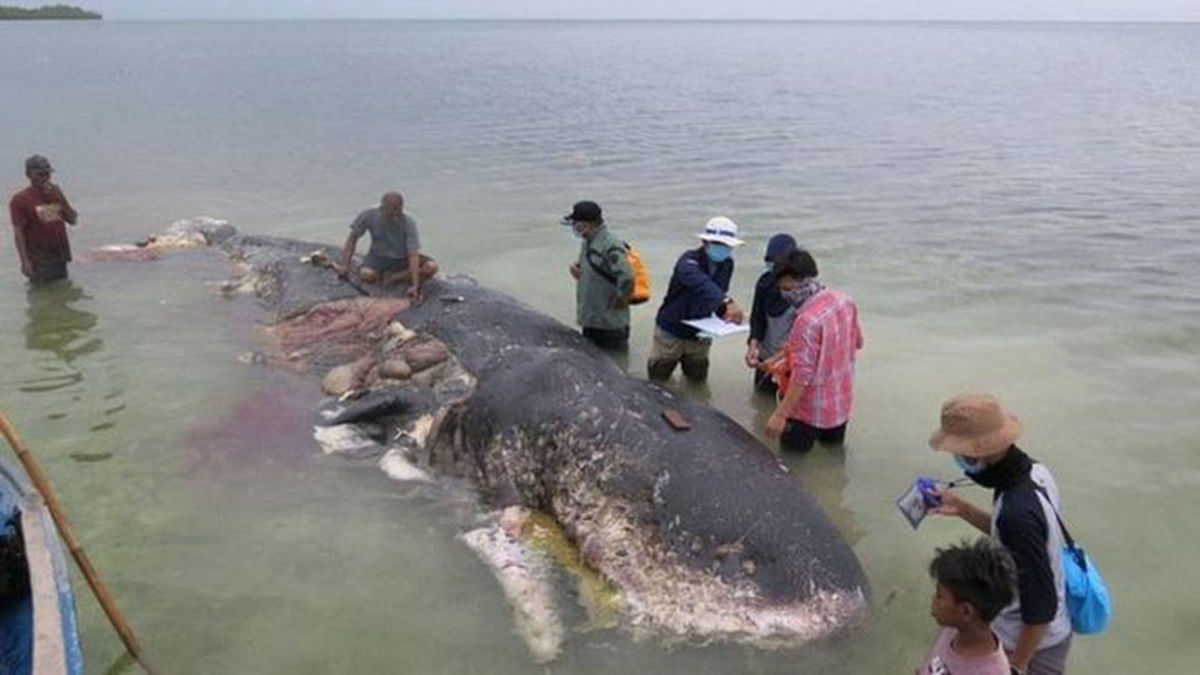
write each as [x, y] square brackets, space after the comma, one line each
[1087, 596]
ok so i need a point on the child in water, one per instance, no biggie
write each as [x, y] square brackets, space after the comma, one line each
[974, 582]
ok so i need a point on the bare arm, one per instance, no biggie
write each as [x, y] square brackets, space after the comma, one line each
[414, 272]
[19, 224]
[778, 420]
[22, 253]
[982, 520]
[953, 505]
[414, 269]
[800, 354]
[69, 214]
[1027, 643]
[752, 350]
[348, 252]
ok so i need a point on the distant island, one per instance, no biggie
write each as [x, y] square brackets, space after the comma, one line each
[8, 13]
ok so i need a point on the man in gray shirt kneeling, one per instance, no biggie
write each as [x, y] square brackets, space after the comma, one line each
[395, 253]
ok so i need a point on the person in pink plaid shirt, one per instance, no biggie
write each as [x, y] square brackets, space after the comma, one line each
[818, 358]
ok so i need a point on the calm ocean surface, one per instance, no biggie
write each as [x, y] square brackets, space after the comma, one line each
[1014, 207]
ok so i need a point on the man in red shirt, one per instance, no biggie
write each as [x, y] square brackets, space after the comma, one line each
[819, 352]
[39, 216]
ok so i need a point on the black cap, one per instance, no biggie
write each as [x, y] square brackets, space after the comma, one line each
[37, 163]
[588, 212]
[778, 246]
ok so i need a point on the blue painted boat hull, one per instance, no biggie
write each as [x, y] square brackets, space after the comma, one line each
[38, 630]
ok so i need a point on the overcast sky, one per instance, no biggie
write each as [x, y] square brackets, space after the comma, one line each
[1034, 10]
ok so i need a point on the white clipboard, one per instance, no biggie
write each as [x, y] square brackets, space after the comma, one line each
[717, 327]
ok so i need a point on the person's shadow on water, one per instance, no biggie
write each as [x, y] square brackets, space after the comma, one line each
[53, 325]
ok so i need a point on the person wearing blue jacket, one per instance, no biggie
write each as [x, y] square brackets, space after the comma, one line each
[698, 289]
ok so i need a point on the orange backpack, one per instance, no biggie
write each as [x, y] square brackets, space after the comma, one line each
[641, 275]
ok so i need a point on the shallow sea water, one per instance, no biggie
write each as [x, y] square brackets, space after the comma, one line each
[1013, 206]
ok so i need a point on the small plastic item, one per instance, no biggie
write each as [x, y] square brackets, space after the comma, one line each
[916, 501]
[929, 492]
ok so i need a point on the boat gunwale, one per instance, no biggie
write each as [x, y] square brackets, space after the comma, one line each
[56, 648]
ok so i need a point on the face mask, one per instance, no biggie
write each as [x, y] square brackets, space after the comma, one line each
[569, 228]
[794, 297]
[718, 252]
[966, 466]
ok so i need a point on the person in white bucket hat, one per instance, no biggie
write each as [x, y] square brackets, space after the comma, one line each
[698, 289]
[721, 230]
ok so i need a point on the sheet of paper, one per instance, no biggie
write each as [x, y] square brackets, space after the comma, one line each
[717, 327]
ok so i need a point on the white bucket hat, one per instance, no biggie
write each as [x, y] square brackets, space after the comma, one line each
[722, 231]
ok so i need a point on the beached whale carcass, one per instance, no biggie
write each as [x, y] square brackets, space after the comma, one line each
[703, 533]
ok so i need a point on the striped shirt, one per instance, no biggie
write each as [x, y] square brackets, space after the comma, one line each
[821, 348]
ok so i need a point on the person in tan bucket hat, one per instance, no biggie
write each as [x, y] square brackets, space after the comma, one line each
[1035, 629]
[974, 425]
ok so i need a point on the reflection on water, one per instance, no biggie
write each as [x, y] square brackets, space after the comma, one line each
[55, 326]
[822, 469]
[66, 333]
[123, 664]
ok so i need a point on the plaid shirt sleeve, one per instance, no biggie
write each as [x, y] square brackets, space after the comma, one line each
[804, 345]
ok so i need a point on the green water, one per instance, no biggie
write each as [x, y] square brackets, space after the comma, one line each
[236, 549]
[1012, 206]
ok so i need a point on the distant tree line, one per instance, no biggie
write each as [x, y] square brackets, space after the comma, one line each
[8, 13]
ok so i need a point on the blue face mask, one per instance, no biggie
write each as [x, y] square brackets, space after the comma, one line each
[966, 466]
[718, 252]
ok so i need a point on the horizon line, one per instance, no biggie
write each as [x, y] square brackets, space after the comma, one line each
[539, 19]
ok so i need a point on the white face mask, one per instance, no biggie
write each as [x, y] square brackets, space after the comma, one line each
[794, 296]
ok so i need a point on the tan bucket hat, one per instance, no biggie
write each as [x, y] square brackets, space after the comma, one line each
[974, 425]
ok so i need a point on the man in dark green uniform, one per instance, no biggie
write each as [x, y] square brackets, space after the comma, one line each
[603, 279]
